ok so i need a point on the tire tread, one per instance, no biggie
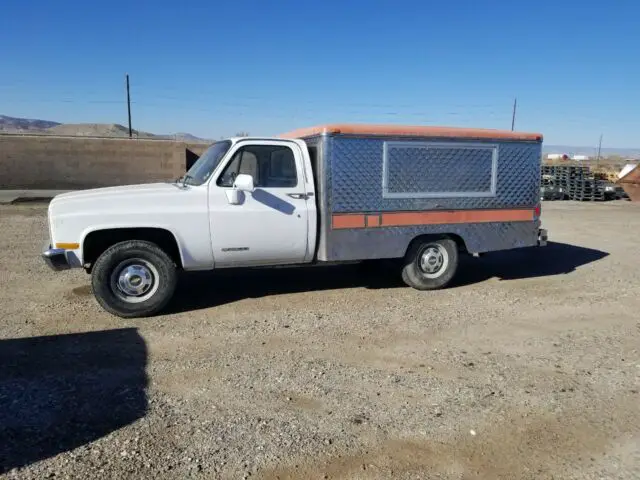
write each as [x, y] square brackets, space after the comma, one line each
[101, 273]
[412, 278]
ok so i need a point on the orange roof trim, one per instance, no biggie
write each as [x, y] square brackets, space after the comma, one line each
[411, 131]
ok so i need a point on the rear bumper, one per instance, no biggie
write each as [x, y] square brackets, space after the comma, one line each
[55, 258]
[542, 237]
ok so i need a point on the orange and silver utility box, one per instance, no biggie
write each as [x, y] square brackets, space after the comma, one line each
[381, 186]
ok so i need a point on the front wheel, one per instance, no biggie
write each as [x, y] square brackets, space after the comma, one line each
[430, 264]
[133, 279]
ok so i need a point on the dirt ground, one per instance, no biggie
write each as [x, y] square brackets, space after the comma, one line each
[528, 367]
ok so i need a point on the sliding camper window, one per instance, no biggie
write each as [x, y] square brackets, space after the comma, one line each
[417, 169]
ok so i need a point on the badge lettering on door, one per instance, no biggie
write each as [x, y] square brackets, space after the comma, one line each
[235, 249]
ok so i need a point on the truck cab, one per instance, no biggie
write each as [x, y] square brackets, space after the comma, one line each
[245, 202]
[261, 202]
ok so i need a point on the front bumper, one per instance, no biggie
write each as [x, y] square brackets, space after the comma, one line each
[542, 237]
[55, 258]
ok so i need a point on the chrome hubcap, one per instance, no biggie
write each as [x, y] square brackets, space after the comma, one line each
[433, 260]
[134, 280]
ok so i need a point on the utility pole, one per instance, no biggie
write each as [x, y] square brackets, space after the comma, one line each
[599, 150]
[129, 107]
[513, 115]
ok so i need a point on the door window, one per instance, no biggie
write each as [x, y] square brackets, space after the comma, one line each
[271, 166]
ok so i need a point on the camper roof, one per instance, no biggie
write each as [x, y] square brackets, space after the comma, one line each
[409, 131]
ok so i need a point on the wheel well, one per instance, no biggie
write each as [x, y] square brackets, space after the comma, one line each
[462, 247]
[97, 242]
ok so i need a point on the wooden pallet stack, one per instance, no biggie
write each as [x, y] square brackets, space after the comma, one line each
[576, 182]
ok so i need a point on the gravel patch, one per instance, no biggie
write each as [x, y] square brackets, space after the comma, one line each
[528, 367]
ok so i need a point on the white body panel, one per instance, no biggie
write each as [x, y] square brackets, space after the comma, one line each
[276, 228]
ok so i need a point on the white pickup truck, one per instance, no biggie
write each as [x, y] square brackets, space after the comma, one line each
[334, 193]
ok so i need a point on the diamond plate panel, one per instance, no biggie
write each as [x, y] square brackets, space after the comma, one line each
[354, 177]
[362, 244]
[427, 169]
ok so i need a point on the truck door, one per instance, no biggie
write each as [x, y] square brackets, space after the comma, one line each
[269, 225]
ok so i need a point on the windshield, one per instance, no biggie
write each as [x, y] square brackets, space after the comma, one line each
[207, 163]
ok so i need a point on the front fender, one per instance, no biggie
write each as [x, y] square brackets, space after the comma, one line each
[181, 212]
[97, 228]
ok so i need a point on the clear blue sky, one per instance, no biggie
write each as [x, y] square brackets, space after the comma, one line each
[213, 68]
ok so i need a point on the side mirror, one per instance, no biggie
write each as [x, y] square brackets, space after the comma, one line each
[234, 196]
[244, 183]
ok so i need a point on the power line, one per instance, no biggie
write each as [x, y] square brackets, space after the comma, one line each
[64, 100]
[265, 108]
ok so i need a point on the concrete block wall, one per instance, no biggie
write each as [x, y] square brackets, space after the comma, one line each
[47, 162]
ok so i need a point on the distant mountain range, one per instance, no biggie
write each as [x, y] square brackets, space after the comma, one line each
[46, 127]
[29, 126]
[12, 124]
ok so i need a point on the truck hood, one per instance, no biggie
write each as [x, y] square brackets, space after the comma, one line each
[116, 192]
[112, 203]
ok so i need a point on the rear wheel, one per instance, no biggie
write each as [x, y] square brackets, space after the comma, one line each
[430, 263]
[133, 279]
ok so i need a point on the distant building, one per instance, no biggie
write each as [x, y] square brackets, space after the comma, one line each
[557, 156]
[580, 158]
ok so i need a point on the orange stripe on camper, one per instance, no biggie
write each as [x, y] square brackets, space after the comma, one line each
[373, 220]
[347, 221]
[400, 219]
[396, 219]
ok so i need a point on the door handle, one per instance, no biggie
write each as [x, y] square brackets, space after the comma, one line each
[300, 196]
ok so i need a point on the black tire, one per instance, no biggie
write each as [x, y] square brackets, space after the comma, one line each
[417, 276]
[143, 259]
